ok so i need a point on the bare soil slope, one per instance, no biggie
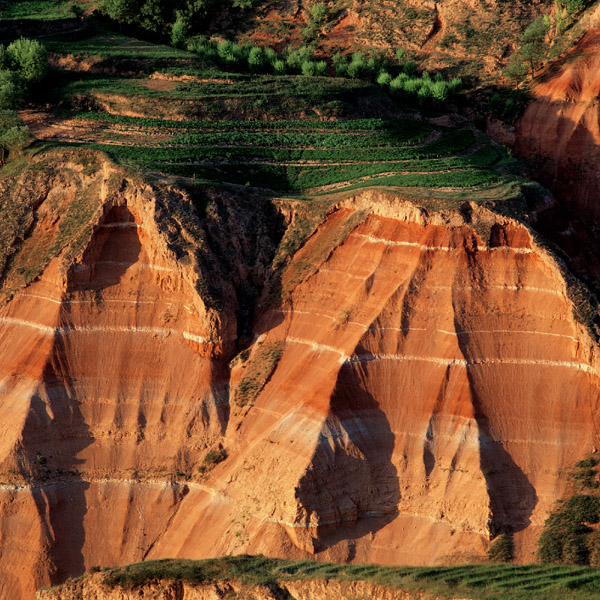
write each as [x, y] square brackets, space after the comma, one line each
[416, 385]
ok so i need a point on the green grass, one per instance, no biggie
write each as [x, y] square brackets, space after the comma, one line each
[45, 10]
[114, 45]
[485, 581]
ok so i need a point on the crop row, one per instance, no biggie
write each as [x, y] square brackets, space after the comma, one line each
[491, 581]
[450, 144]
[410, 128]
[301, 178]
[293, 139]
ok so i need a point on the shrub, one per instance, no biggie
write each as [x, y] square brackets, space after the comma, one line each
[13, 136]
[384, 79]
[279, 67]
[295, 58]
[425, 92]
[12, 91]
[29, 58]
[502, 549]
[440, 91]
[566, 537]
[397, 84]
[214, 457]
[230, 54]
[256, 59]
[360, 67]
[179, 31]
[340, 64]
[308, 68]
[410, 68]
[321, 68]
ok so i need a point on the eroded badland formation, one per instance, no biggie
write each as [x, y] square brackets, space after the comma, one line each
[190, 370]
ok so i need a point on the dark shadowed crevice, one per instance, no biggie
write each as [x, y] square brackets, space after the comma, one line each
[51, 461]
[512, 497]
[352, 483]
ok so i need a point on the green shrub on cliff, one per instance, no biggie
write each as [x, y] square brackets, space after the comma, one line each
[13, 135]
[568, 537]
[502, 548]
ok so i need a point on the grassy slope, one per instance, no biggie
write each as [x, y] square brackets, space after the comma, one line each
[46, 10]
[484, 582]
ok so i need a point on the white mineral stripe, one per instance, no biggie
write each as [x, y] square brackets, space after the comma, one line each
[464, 363]
[318, 347]
[98, 329]
[376, 240]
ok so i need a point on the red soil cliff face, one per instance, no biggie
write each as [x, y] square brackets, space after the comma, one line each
[560, 134]
[417, 398]
[430, 385]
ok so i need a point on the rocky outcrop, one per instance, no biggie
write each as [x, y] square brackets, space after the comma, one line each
[415, 385]
[113, 367]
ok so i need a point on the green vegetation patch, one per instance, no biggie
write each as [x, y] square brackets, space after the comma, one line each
[43, 10]
[258, 372]
[313, 157]
[114, 45]
[488, 581]
[24, 200]
[571, 535]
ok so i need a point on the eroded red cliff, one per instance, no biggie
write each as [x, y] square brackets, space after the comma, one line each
[560, 135]
[417, 384]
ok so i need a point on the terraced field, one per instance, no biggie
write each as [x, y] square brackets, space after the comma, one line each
[295, 155]
[48, 10]
[167, 111]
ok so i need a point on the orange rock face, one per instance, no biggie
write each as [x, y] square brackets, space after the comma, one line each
[562, 126]
[560, 134]
[417, 389]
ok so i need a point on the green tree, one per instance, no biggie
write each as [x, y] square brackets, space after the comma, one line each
[440, 91]
[567, 536]
[29, 59]
[11, 89]
[256, 59]
[516, 70]
[384, 78]
[532, 53]
[179, 31]
[309, 68]
[279, 67]
[122, 11]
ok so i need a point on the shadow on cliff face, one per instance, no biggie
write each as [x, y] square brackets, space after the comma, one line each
[111, 252]
[512, 497]
[351, 484]
[54, 433]
[238, 233]
[563, 155]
